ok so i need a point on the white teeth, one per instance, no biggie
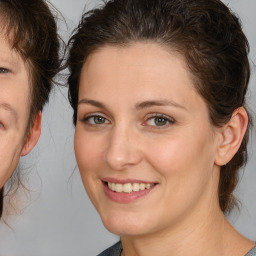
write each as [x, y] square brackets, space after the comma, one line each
[142, 186]
[128, 187]
[136, 187]
[148, 186]
[112, 186]
[119, 187]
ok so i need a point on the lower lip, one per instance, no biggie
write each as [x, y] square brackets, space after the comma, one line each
[125, 197]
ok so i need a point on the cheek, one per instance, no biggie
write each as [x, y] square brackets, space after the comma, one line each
[88, 152]
[170, 155]
[9, 159]
[185, 168]
[183, 160]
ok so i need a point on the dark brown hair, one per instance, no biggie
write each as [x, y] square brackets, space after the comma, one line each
[206, 33]
[30, 28]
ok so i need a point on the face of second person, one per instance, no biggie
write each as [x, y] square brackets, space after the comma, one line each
[14, 108]
[144, 143]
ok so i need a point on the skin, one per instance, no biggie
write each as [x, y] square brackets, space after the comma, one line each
[14, 111]
[182, 157]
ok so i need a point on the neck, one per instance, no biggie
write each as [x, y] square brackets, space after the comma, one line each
[210, 235]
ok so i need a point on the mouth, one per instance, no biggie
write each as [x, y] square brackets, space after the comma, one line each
[128, 187]
[127, 191]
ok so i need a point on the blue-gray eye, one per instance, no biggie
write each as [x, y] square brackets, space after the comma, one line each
[99, 119]
[160, 121]
[95, 120]
[4, 70]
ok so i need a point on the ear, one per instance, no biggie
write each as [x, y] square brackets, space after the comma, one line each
[232, 135]
[34, 134]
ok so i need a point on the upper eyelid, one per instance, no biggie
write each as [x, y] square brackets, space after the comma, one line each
[86, 119]
[95, 114]
[152, 115]
[149, 115]
[83, 110]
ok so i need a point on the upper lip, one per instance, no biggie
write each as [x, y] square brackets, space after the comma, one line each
[124, 181]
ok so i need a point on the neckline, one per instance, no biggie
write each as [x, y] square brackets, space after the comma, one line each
[252, 252]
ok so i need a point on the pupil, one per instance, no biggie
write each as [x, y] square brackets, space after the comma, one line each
[99, 119]
[160, 121]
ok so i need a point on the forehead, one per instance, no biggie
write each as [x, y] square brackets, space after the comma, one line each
[133, 65]
[137, 73]
[14, 80]
[8, 53]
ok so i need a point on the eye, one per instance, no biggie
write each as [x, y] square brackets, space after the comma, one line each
[1, 125]
[159, 120]
[95, 120]
[4, 70]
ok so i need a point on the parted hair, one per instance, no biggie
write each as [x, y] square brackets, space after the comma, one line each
[30, 28]
[206, 32]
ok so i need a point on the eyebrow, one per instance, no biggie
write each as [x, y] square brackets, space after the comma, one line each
[92, 102]
[138, 106]
[10, 109]
[152, 103]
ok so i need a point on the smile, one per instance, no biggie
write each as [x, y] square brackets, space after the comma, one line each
[129, 187]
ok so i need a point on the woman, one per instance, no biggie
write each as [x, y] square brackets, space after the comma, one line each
[29, 60]
[158, 91]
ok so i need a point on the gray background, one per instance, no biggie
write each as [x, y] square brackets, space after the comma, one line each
[58, 218]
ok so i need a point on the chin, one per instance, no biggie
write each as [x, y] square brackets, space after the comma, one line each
[124, 230]
[126, 225]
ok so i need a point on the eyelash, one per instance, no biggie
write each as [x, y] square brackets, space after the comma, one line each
[167, 120]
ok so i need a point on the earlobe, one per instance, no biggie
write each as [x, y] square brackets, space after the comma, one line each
[34, 134]
[232, 135]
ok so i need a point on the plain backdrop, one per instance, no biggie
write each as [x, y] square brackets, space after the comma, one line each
[58, 218]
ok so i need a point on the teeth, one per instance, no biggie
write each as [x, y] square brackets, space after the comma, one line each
[142, 186]
[112, 186]
[128, 187]
[136, 186]
[147, 186]
[119, 187]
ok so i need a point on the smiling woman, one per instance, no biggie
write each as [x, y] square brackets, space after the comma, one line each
[158, 91]
[29, 60]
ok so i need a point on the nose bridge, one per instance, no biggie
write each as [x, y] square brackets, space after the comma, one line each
[122, 149]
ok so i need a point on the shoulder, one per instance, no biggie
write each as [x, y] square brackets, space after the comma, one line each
[114, 250]
[252, 252]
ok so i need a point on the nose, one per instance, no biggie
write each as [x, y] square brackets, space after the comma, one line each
[122, 150]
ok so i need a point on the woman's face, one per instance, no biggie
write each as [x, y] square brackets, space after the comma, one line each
[14, 108]
[143, 142]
